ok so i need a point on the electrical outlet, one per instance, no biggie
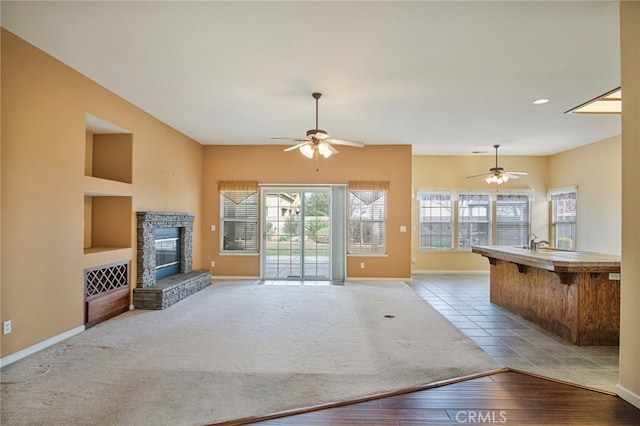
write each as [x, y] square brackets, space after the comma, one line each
[362, 265]
[213, 263]
[213, 228]
[6, 327]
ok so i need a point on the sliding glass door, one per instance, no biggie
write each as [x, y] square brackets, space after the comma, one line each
[296, 233]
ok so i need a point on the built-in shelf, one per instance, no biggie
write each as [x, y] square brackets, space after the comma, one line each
[98, 187]
[108, 212]
[97, 256]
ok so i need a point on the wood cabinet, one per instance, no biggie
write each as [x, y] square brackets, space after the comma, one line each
[105, 306]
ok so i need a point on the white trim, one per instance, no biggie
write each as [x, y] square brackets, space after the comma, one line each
[629, 396]
[233, 277]
[40, 346]
[374, 279]
[455, 271]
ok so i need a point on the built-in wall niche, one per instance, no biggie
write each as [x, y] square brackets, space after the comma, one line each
[108, 152]
[108, 217]
[108, 222]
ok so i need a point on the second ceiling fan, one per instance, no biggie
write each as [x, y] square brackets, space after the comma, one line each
[498, 174]
[318, 142]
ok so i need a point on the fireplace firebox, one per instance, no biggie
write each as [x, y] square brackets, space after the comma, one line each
[167, 245]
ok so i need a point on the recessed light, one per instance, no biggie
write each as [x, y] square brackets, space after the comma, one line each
[541, 101]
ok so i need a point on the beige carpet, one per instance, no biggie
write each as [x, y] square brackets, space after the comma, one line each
[236, 350]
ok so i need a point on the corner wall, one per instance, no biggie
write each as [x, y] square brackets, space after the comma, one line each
[595, 168]
[43, 205]
[629, 386]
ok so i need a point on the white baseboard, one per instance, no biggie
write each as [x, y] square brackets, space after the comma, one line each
[375, 279]
[631, 397]
[40, 346]
[455, 271]
[233, 277]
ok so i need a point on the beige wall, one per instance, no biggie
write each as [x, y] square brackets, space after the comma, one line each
[43, 204]
[629, 387]
[596, 170]
[445, 172]
[270, 165]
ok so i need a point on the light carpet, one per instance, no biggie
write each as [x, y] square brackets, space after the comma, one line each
[238, 350]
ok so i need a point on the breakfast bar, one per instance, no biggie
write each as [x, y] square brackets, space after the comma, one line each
[573, 294]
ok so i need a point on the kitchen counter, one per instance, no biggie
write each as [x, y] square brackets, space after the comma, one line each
[573, 294]
[553, 259]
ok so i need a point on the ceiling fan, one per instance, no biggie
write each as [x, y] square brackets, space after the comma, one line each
[497, 174]
[318, 142]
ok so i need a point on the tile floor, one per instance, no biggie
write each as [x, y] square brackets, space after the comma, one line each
[511, 340]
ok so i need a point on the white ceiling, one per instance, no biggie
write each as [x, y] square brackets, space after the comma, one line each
[448, 78]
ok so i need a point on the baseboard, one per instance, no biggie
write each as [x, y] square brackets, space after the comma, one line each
[233, 277]
[375, 279]
[40, 346]
[455, 271]
[631, 397]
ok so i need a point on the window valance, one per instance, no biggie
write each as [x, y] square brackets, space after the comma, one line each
[454, 194]
[368, 191]
[562, 191]
[438, 195]
[514, 194]
[237, 190]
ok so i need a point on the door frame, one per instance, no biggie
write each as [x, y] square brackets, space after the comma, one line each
[337, 223]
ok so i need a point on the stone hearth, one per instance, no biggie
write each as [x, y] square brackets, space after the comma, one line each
[152, 294]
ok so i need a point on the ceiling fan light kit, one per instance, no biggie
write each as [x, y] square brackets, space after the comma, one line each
[318, 142]
[497, 174]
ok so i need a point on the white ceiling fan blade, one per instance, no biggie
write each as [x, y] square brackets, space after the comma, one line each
[482, 175]
[296, 146]
[347, 143]
[517, 173]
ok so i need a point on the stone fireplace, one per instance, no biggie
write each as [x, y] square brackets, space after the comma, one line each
[153, 293]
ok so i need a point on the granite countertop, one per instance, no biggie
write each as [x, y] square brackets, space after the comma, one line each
[553, 259]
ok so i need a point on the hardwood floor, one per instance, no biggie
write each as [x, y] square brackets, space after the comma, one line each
[508, 397]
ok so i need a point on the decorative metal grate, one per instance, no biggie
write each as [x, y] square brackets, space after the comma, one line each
[106, 278]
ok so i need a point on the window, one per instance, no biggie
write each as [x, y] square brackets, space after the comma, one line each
[513, 220]
[564, 204]
[469, 214]
[474, 220]
[367, 217]
[436, 221]
[239, 216]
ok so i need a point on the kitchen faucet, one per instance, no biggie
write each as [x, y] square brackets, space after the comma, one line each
[533, 244]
